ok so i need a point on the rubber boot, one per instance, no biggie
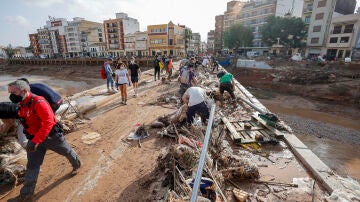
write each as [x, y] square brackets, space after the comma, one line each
[74, 160]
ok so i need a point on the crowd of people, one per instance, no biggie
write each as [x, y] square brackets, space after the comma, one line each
[34, 106]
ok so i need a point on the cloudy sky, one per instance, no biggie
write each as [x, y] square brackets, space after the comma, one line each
[18, 18]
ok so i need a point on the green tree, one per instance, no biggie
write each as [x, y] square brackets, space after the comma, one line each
[9, 51]
[237, 36]
[290, 32]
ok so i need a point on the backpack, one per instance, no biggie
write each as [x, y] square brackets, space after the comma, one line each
[103, 72]
[184, 76]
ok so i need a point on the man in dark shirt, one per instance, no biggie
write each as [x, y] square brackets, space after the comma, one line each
[135, 74]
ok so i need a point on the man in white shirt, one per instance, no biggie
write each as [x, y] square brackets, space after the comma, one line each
[195, 98]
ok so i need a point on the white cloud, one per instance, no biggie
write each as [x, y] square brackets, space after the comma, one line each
[42, 3]
[17, 20]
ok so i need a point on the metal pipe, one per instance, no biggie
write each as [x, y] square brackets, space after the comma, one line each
[202, 156]
[252, 105]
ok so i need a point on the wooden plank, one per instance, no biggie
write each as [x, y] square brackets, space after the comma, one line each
[278, 134]
[233, 133]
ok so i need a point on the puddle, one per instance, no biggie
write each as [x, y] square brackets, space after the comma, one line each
[341, 156]
[64, 87]
[344, 158]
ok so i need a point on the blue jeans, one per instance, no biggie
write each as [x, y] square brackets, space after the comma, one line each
[109, 81]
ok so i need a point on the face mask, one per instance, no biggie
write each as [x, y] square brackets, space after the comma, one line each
[132, 61]
[15, 98]
[122, 67]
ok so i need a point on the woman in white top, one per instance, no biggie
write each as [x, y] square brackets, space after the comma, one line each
[122, 79]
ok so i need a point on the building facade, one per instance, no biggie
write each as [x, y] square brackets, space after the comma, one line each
[130, 25]
[129, 44]
[254, 13]
[34, 44]
[80, 34]
[194, 45]
[322, 12]
[141, 44]
[344, 37]
[97, 49]
[114, 37]
[210, 42]
[166, 39]
[219, 30]
[45, 43]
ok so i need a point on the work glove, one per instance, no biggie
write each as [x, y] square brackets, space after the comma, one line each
[30, 146]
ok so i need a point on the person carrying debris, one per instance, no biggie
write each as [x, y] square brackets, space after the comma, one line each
[186, 78]
[195, 98]
[135, 74]
[226, 84]
[109, 75]
[43, 133]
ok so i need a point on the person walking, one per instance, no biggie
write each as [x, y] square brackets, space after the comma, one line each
[195, 98]
[157, 67]
[43, 133]
[135, 74]
[226, 84]
[122, 79]
[109, 76]
[169, 67]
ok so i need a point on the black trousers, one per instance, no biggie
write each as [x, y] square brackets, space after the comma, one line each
[157, 71]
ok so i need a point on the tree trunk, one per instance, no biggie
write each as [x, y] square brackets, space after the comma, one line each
[234, 61]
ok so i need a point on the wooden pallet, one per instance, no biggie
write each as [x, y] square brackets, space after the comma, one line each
[240, 135]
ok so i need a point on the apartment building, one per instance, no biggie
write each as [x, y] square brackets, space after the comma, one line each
[141, 44]
[81, 33]
[219, 30]
[210, 42]
[254, 13]
[321, 13]
[344, 37]
[97, 49]
[45, 43]
[130, 25]
[115, 31]
[166, 39]
[129, 44]
[194, 45]
[34, 44]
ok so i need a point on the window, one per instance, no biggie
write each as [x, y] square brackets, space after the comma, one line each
[309, 7]
[322, 3]
[347, 53]
[315, 40]
[307, 19]
[333, 40]
[319, 16]
[337, 29]
[349, 28]
[344, 39]
[317, 28]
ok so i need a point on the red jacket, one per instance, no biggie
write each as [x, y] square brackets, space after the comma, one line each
[38, 116]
